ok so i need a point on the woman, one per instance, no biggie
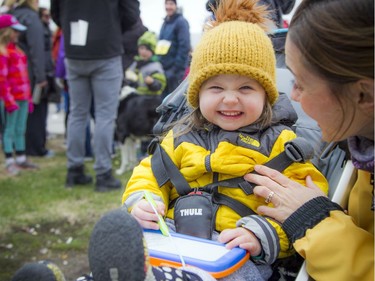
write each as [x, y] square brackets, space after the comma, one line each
[332, 59]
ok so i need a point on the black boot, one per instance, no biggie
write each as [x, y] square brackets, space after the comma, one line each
[107, 182]
[116, 248]
[77, 176]
[39, 271]
[118, 251]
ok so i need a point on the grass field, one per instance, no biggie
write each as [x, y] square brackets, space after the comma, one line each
[42, 220]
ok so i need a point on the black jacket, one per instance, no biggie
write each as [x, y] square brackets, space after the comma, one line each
[107, 21]
[31, 41]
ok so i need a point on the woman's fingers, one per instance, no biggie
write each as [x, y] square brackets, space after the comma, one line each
[269, 178]
[312, 185]
[273, 175]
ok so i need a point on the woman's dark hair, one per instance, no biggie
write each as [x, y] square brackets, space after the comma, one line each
[336, 38]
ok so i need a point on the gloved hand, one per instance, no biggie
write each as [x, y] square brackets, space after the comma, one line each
[131, 76]
[11, 108]
[31, 107]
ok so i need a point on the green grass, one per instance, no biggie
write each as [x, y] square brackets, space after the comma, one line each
[41, 219]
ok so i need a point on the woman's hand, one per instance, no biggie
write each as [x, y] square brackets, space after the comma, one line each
[241, 237]
[286, 195]
[144, 214]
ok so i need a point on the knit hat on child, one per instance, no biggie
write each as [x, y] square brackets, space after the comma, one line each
[235, 43]
[7, 20]
[149, 40]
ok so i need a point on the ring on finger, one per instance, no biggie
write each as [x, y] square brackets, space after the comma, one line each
[269, 197]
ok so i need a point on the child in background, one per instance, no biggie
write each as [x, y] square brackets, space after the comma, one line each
[233, 126]
[145, 76]
[15, 92]
[146, 73]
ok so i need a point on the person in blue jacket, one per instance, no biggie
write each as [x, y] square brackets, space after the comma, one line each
[174, 46]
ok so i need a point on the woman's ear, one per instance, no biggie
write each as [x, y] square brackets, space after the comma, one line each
[365, 92]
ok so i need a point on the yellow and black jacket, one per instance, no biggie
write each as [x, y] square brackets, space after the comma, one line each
[213, 155]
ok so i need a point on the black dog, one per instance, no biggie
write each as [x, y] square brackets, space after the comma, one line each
[135, 120]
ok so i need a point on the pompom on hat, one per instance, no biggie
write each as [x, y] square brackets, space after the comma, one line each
[235, 43]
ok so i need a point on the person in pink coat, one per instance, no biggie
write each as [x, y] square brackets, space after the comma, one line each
[15, 94]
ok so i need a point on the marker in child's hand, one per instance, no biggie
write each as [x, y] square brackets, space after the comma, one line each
[163, 227]
[161, 222]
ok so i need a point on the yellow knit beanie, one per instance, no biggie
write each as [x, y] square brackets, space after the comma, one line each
[236, 43]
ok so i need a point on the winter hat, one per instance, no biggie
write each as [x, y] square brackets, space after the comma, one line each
[149, 40]
[7, 20]
[235, 43]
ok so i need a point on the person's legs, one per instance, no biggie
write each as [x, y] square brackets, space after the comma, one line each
[106, 84]
[8, 141]
[88, 148]
[36, 130]
[9, 131]
[20, 126]
[67, 110]
[80, 94]
[19, 137]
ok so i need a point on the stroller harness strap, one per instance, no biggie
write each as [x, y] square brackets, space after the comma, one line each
[164, 170]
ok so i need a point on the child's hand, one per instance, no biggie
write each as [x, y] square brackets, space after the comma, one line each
[31, 107]
[241, 237]
[144, 214]
[131, 76]
[149, 80]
